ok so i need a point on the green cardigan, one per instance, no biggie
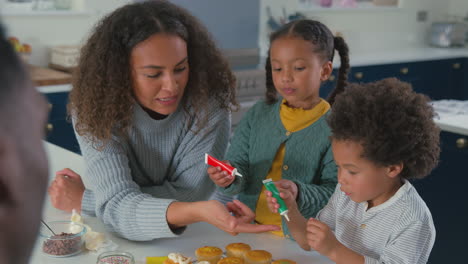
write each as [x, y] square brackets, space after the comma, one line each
[308, 160]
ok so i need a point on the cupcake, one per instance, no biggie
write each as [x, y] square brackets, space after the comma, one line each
[283, 261]
[237, 250]
[210, 254]
[257, 257]
[177, 258]
[231, 260]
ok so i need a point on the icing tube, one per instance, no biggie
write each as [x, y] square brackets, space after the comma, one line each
[225, 167]
[270, 186]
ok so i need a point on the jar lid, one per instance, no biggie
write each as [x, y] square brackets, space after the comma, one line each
[115, 257]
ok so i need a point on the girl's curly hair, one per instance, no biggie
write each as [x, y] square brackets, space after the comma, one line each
[393, 123]
[324, 44]
[102, 98]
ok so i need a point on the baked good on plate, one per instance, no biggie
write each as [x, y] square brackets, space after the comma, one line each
[237, 250]
[231, 260]
[208, 253]
[283, 261]
[257, 257]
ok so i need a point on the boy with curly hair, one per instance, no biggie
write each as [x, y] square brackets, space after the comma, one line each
[383, 134]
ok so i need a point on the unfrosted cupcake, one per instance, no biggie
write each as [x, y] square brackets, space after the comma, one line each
[257, 257]
[210, 254]
[283, 261]
[231, 260]
[237, 250]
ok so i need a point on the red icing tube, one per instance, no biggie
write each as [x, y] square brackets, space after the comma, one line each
[225, 167]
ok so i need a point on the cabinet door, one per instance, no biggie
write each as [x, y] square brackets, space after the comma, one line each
[59, 128]
[459, 77]
[445, 193]
[60, 133]
[438, 79]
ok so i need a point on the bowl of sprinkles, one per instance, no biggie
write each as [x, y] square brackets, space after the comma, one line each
[115, 257]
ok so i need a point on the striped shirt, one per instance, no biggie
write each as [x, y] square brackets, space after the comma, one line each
[132, 181]
[400, 230]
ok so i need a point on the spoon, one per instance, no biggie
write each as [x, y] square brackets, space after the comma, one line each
[42, 221]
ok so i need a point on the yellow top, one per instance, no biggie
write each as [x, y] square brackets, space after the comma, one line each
[155, 260]
[293, 119]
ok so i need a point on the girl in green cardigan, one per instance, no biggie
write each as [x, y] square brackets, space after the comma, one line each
[286, 138]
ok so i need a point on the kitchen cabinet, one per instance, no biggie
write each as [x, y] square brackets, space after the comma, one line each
[59, 129]
[444, 192]
[439, 79]
[463, 90]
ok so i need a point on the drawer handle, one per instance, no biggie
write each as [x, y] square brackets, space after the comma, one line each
[456, 66]
[359, 75]
[404, 70]
[331, 78]
[50, 107]
[49, 127]
[462, 143]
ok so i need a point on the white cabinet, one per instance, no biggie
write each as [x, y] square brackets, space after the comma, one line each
[42, 7]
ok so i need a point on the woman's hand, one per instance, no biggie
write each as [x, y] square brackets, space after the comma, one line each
[240, 211]
[66, 191]
[220, 217]
[321, 238]
[288, 192]
[220, 177]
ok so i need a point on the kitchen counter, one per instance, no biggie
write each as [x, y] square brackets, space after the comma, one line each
[45, 76]
[452, 115]
[455, 124]
[412, 54]
[196, 235]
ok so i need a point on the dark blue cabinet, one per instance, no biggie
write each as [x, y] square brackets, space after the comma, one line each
[59, 128]
[439, 79]
[444, 192]
[462, 79]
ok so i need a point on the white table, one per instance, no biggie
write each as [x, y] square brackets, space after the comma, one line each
[196, 235]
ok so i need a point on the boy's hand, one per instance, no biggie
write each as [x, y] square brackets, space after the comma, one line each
[220, 177]
[288, 192]
[321, 238]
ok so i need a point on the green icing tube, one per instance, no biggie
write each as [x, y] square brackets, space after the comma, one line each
[270, 186]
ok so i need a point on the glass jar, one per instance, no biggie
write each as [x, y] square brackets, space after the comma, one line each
[115, 257]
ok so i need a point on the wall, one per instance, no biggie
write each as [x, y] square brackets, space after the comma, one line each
[42, 31]
[458, 8]
[366, 30]
[233, 23]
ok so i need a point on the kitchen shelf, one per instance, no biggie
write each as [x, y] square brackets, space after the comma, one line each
[360, 6]
[46, 13]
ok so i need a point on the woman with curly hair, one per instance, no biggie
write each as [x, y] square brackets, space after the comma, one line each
[150, 96]
[383, 134]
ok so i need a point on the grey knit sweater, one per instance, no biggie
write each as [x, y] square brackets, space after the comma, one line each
[132, 181]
